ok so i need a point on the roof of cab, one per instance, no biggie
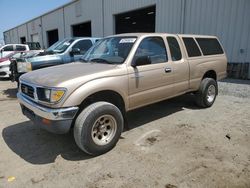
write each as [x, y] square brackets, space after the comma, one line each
[77, 38]
[161, 34]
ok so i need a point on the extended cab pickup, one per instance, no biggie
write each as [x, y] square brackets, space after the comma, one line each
[118, 74]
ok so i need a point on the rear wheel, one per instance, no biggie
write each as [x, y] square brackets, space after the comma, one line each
[207, 93]
[98, 128]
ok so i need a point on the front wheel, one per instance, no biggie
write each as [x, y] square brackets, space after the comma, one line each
[98, 128]
[207, 93]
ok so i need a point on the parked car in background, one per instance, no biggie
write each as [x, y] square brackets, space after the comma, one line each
[5, 64]
[65, 51]
[9, 48]
[121, 73]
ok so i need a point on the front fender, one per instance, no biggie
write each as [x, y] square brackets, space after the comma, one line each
[118, 84]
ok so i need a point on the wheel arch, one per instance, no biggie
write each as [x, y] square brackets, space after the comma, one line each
[210, 74]
[106, 95]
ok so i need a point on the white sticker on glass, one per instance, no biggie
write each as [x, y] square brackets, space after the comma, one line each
[66, 43]
[128, 40]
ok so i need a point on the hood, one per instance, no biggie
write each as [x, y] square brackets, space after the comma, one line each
[69, 74]
[43, 59]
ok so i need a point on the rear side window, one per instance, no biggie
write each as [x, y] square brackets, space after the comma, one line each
[174, 48]
[83, 45]
[20, 48]
[154, 48]
[8, 48]
[34, 45]
[209, 46]
[191, 46]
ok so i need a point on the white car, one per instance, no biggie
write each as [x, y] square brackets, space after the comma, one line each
[10, 48]
[5, 64]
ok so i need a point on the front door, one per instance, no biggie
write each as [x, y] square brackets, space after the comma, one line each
[152, 78]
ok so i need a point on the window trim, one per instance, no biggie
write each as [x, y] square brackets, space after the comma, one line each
[180, 46]
[194, 57]
[20, 45]
[209, 38]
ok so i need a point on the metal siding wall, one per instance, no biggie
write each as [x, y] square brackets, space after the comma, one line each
[227, 19]
[91, 10]
[168, 16]
[13, 33]
[51, 21]
[245, 32]
[22, 32]
[35, 27]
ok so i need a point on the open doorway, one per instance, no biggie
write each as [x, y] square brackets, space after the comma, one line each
[141, 20]
[82, 30]
[23, 40]
[52, 36]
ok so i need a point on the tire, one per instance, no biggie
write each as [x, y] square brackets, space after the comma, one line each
[207, 93]
[98, 128]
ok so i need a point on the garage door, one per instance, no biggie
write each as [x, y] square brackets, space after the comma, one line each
[35, 38]
[142, 20]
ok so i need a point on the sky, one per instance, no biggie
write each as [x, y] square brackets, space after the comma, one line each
[16, 12]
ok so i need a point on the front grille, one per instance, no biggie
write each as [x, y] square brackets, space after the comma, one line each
[27, 90]
[3, 73]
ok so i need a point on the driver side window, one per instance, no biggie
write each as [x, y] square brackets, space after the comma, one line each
[152, 48]
[83, 45]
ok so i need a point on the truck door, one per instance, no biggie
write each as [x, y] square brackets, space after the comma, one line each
[150, 73]
[180, 65]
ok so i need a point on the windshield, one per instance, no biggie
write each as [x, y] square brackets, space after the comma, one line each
[60, 46]
[113, 50]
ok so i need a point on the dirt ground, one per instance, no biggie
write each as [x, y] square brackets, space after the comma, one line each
[169, 144]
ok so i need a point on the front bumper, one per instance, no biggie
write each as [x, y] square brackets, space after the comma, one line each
[53, 120]
[4, 72]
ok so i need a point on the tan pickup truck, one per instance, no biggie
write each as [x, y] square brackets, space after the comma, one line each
[118, 74]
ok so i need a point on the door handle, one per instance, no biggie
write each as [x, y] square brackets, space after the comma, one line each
[168, 70]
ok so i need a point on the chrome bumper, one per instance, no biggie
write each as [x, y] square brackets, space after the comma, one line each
[48, 113]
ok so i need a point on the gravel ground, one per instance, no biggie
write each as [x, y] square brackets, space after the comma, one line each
[169, 144]
[236, 88]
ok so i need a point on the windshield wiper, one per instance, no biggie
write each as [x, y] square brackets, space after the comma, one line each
[83, 60]
[49, 52]
[100, 60]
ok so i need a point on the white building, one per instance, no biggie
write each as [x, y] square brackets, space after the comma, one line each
[227, 19]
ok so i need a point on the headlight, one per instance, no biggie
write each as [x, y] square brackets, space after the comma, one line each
[29, 66]
[50, 95]
[23, 67]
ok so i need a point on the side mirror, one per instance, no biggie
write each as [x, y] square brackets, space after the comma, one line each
[75, 51]
[142, 60]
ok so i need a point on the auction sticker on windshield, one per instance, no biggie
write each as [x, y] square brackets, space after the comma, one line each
[128, 40]
[66, 43]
